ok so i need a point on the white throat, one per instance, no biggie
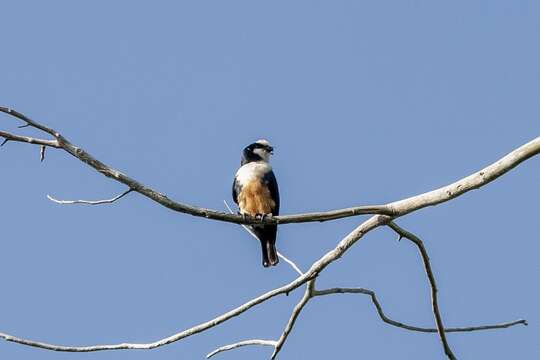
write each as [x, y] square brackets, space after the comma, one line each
[265, 155]
[252, 171]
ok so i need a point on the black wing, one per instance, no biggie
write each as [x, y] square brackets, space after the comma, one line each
[235, 190]
[270, 181]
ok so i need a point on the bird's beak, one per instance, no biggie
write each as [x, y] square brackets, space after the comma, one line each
[271, 150]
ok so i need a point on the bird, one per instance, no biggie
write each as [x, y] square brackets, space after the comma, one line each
[255, 191]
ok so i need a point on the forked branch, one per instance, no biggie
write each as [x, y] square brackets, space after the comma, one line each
[395, 209]
[60, 142]
[382, 215]
[433, 285]
[311, 292]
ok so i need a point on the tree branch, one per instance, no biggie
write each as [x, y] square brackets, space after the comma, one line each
[240, 344]
[318, 266]
[427, 266]
[384, 214]
[395, 209]
[315, 269]
[89, 202]
[26, 139]
[398, 324]
[311, 292]
[82, 155]
[308, 294]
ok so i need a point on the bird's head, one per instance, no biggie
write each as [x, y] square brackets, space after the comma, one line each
[260, 150]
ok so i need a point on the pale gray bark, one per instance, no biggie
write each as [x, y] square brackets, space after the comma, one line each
[383, 215]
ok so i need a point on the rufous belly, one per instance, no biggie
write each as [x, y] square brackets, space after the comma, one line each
[255, 199]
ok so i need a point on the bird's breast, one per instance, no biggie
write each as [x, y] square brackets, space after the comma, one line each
[255, 198]
[252, 171]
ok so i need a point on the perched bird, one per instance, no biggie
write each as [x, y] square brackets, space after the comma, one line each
[255, 191]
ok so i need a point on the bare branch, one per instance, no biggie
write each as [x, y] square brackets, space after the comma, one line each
[26, 139]
[389, 321]
[240, 344]
[384, 215]
[315, 269]
[173, 338]
[308, 294]
[82, 155]
[427, 266]
[287, 260]
[89, 202]
[28, 121]
[294, 315]
[42, 153]
[395, 209]
[311, 292]
[290, 262]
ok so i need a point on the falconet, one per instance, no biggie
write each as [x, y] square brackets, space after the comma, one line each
[255, 191]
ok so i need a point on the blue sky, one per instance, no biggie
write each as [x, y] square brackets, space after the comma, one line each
[365, 102]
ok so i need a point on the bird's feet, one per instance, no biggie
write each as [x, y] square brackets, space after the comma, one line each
[263, 216]
[244, 216]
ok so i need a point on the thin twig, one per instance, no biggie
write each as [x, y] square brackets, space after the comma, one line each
[392, 322]
[240, 344]
[28, 121]
[427, 266]
[42, 153]
[287, 260]
[26, 139]
[290, 262]
[89, 202]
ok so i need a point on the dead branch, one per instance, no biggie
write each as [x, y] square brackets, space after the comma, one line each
[63, 143]
[308, 294]
[433, 285]
[315, 269]
[240, 344]
[384, 214]
[30, 140]
[90, 202]
[395, 209]
[311, 292]
[398, 324]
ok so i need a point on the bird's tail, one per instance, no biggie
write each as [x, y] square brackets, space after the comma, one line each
[272, 253]
[269, 253]
[267, 237]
